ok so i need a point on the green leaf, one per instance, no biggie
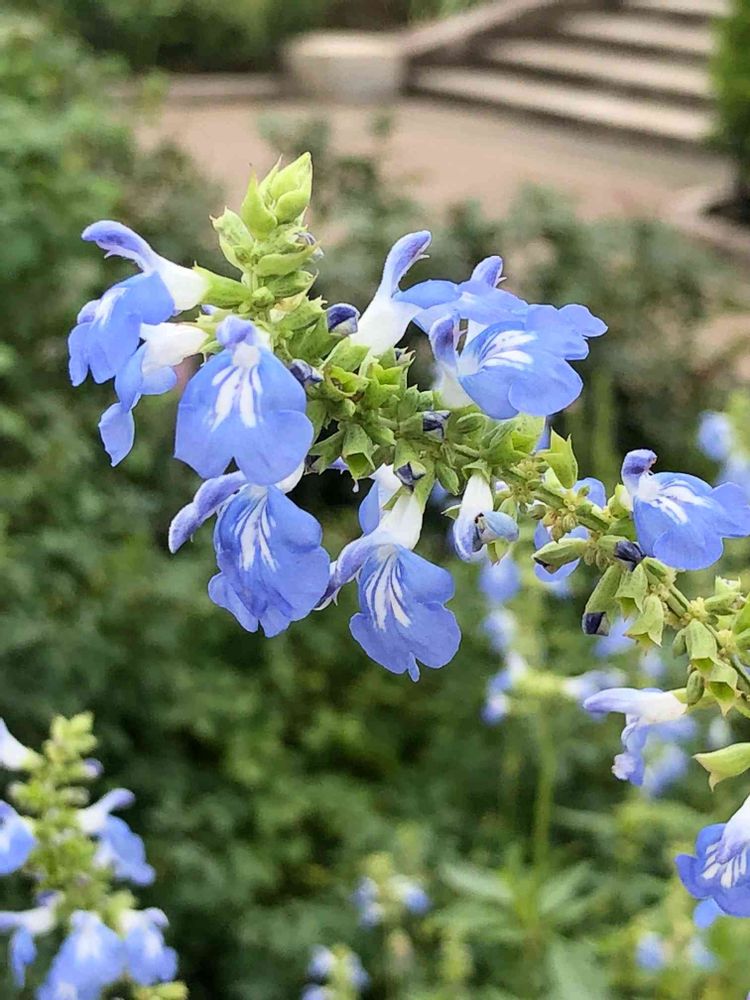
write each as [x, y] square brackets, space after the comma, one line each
[560, 458]
[574, 972]
[480, 882]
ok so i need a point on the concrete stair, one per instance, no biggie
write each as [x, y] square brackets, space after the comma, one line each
[640, 68]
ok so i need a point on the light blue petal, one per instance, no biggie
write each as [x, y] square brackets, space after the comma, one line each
[117, 430]
[210, 496]
[402, 255]
[16, 840]
[119, 241]
[22, 954]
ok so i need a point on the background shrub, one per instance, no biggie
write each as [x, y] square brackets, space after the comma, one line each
[731, 74]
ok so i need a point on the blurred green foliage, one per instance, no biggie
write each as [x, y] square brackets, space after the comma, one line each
[265, 771]
[731, 76]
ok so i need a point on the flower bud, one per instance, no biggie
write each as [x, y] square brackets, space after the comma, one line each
[305, 373]
[493, 526]
[254, 212]
[695, 688]
[595, 623]
[342, 319]
[296, 177]
[629, 552]
[556, 554]
[435, 420]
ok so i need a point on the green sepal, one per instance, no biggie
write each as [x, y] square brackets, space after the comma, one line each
[553, 555]
[725, 695]
[273, 264]
[405, 453]
[235, 239]
[291, 205]
[604, 595]
[347, 355]
[725, 763]
[357, 451]
[327, 450]
[742, 621]
[316, 413]
[633, 590]
[224, 293]
[560, 458]
[700, 645]
[297, 176]
[526, 432]
[620, 504]
[448, 478]
[290, 285]
[650, 621]
[254, 212]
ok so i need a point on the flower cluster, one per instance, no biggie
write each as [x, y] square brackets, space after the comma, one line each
[282, 387]
[74, 852]
[340, 970]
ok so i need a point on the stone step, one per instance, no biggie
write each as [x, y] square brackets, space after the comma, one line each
[632, 31]
[575, 104]
[705, 10]
[601, 67]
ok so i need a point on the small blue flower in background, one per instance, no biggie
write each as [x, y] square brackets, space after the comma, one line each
[366, 899]
[679, 518]
[497, 703]
[720, 867]
[500, 581]
[478, 523]
[501, 627]
[148, 960]
[324, 963]
[402, 618]
[26, 926]
[119, 848]
[17, 839]
[650, 953]
[411, 894]
[643, 710]
[716, 437]
[273, 568]
[597, 495]
[666, 764]
[700, 955]
[652, 665]
[719, 733]
[615, 642]
[384, 321]
[243, 404]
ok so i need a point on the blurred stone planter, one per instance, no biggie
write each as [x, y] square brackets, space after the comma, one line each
[695, 212]
[351, 66]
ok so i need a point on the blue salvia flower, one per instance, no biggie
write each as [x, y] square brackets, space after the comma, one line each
[17, 839]
[650, 952]
[501, 627]
[402, 618]
[384, 321]
[720, 867]
[597, 495]
[14, 756]
[91, 958]
[366, 898]
[500, 581]
[716, 437]
[497, 703]
[108, 329]
[615, 641]
[642, 710]
[706, 913]
[323, 962]
[119, 848]
[150, 371]
[273, 568]
[679, 518]
[243, 404]
[148, 959]
[478, 523]
[411, 894]
[26, 926]
[519, 364]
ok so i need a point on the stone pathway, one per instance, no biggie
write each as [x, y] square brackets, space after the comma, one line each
[448, 153]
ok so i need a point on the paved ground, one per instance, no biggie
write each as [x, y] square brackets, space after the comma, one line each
[450, 152]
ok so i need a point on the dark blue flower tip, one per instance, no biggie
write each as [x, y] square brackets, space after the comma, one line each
[488, 271]
[435, 420]
[408, 475]
[629, 552]
[595, 623]
[494, 526]
[305, 373]
[233, 331]
[342, 319]
[635, 464]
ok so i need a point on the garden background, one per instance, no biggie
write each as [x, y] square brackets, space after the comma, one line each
[268, 773]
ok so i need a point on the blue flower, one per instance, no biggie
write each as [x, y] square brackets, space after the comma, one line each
[17, 839]
[706, 913]
[700, 956]
[273, 569]
[26, 925]
[411, 894]
[148, 960]
[14, 756]
[642, 710]
[497, 703]
[500, 581]
[314, 992]
[615, 641]
[150, 371]
[243, 404]
[401, 595]
[91, 958]
[716, 437]
[501, 627]
[323, 962]
[592, 682]
[666, 764]
[119, 848]
[650, 953]
[679, 518]
[384, 321]
[519, 364]
[366, 899]
[478, 523]
[597, 495]
[720, 867]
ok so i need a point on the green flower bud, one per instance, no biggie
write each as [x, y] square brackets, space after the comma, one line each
[725, 763]
[224, 293]
[295, 177]
[254, 212]
[235, 239]
[695, 687]
[603, 596]
[560, 458]
[273, 264]
[553, 555]
[291, 205]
